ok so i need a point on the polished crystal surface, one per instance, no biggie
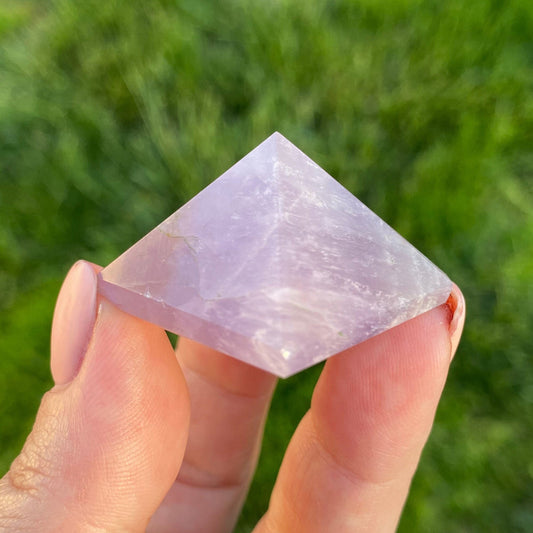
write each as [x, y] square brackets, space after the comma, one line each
[276, 264]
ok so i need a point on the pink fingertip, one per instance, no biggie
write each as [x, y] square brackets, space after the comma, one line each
[73, 323]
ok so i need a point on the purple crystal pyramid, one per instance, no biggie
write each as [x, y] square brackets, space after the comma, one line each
[276, 264]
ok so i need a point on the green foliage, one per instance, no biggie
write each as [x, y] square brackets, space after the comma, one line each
[112, 114]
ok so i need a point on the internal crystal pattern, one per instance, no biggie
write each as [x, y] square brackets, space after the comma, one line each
[276, 264]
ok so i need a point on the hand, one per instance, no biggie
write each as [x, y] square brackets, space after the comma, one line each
[129, 440]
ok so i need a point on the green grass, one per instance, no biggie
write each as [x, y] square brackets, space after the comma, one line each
[113, 114]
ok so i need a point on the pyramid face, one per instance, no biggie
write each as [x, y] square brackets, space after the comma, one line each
[276, 264]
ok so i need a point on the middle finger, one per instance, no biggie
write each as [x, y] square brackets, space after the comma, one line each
[229, 404]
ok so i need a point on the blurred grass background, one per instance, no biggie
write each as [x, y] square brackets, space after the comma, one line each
[113, 114]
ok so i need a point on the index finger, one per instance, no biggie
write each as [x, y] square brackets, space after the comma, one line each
[350, 462]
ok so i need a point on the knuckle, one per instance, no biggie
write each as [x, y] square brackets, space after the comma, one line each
[27, 489]
[36, 465]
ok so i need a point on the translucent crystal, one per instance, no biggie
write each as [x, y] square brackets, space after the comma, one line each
[276, 264]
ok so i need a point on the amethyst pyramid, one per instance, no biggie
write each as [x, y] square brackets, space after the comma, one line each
[276, 264]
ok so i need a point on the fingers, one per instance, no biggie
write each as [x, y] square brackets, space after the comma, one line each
[229, 402]
[110, 436]
[351, 460]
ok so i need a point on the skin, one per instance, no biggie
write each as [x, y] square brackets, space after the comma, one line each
[134, 437]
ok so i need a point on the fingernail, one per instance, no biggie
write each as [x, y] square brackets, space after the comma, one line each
[457, 306]
[73, 323]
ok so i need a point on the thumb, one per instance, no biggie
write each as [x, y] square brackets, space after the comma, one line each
[109, 438]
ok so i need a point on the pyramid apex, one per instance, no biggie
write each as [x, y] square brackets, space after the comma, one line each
[275, 139]
[278, 138]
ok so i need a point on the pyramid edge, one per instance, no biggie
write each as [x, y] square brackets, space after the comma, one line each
[110, 290]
